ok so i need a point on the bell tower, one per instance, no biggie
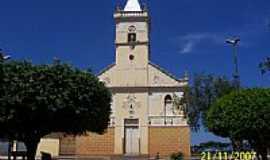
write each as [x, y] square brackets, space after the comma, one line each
[132, 36]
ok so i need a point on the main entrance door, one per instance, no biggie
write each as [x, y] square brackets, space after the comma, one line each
[132, 140]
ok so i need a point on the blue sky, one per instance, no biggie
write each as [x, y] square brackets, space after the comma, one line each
[189, 34]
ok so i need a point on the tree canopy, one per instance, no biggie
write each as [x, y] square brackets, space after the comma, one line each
[265, 65]
[202, 93]
[243, 115]
[36, 100]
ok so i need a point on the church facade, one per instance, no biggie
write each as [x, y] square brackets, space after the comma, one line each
[145, 119]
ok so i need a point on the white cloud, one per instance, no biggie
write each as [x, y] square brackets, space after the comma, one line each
[250, 34]
[188, 47]
[189, 42]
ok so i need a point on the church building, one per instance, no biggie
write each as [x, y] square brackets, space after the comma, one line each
[145, 119]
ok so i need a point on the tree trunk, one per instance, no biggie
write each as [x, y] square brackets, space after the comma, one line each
[31, 146]
[236, 144]
[263, 153]
[258, 156]
[9, 149]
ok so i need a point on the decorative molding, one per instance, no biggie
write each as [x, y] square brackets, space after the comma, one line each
[107, 80]
[156, 79]
[131, 104]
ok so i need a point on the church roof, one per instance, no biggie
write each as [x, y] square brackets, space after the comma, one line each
[165, 72]
[132, 5]
[150, 63]
[106, 69]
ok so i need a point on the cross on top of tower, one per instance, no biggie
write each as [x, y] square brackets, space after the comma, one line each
[132, 5]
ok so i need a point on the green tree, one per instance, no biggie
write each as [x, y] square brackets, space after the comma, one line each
[37, 100]
[177, 156]
[202, 93]
[265, 65]
[243, 115]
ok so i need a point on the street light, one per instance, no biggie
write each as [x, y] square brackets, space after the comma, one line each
[7, 57]
[235, 42]
[3, 56]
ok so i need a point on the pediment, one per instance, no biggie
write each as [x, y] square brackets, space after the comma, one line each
[160, 77]
[157, 77]
[106, 74]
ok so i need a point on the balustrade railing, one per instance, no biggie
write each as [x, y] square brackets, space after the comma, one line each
[177, 120]
[167, 120]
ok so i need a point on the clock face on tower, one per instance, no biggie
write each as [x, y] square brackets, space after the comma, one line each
[132, 29]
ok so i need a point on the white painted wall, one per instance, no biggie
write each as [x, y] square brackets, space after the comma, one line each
[48, 145]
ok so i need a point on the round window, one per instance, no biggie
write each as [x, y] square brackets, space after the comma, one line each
[131, 57]
[132, 29]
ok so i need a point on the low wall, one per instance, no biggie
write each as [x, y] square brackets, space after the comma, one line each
[94, 144]
[49, 145]
[168, 140]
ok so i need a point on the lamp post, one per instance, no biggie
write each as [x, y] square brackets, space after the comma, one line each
[234, 42]
[4, 57]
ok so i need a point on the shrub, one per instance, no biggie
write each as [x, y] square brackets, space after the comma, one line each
[177, 156]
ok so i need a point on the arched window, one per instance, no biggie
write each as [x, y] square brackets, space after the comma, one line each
[168, 99]
[168, 105]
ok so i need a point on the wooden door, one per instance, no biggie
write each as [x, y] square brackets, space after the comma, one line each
[132, 140]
